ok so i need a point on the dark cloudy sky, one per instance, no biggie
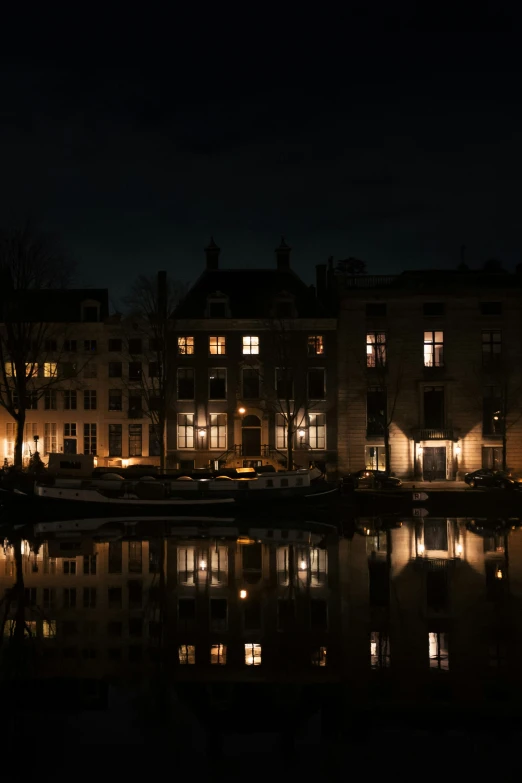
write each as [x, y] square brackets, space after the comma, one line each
[390, 140]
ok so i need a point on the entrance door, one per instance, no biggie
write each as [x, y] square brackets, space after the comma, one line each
[251, 436]
[69, 445]
[434, 463]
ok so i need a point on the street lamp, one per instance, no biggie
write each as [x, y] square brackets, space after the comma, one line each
[36, 438]
[301, 434]
[242, 411]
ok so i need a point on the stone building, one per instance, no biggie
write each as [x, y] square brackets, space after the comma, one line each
[436, 357]
[253, 344]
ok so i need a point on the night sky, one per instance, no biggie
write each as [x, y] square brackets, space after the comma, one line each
[394, 144]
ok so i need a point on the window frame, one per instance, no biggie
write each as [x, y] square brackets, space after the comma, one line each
[250, 341]
[314, 435]
[185, 345]
[214, 347]
[376, 350]
[432, 344]
[134, 430]
[216, 431]
[218, 371]
[315, 345]
[185, 372]
[187, 428]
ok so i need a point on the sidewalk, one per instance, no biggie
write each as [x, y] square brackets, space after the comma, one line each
[448, 486]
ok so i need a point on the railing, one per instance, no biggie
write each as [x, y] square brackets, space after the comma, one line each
[434, 434]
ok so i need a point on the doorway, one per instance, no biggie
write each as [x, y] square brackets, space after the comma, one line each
[434, 463]
[69, 445]
[251, 436]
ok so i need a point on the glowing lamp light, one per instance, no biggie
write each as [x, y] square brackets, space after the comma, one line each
[242, 411]
[243, 594]
[203, 565]
[499, 574]
[302, 565]
[459, 550]
[301, 433]
[457, 450]
[201, 433]
[421, 549]
[124, 463]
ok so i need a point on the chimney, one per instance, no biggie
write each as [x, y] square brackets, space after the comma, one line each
[162, 295]
[320, 278]
[212, 253]
[283, 255]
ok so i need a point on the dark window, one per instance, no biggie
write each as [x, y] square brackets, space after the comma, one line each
[114, 628]
[252, 615]
[437, 596]
[154, 369]
[433, 407]
[70, 628]
[217, 384]
[115, 369]
[154, 440]
[155, 550]
[31, 402]
[69, 369]
[115, 440]
[135, 557]
[115, 597]
[70, 400]
[115, 400]
[89, 597]
[318, 614]
[316, 384]
[491, 308]
[217, 310]
[492, 457]
[252, 557]
[135, 627]
[71, 346]
[89, 439]
[218, 614]
[50, 399]
[375, 309]
[89, 345]
[433, 308]
[491, 348]
[135, 445]
[134, 371]
[436, 535]
[89, 565]
[250, 384]
[89, 400]
[69, 597]
[155, 344]
[135, 594]
[90, 314]
[285, 614]
[115, 345]
[186, 609]
[186, 383]
[135, 409]
[134, 346]
[492, 411]
[379, 584]
[30, 596]
[375, 411]
[284, 383]
[115, 557]
[50, 345]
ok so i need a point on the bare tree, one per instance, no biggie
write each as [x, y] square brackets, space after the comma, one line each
[31, 263]
[284, 381]
[152, 358]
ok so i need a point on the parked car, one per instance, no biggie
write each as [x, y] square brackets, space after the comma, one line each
[371, 479]
[492, 478]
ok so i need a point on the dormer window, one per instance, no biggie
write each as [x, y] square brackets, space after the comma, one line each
[217, 306]
[90, 311]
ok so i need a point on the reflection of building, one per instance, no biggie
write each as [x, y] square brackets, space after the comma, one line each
[250, 343]
[438, 357]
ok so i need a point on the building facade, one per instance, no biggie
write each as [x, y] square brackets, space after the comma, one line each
[435, 357]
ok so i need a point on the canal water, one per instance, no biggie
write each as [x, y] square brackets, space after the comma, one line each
[245, 635]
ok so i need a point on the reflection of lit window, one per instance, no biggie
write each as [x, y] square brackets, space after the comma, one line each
[250, 344]
[318, 567]
[219, 565]
[253, 654]
[185, 346]
[218, 654]
[217, 345]
[49, 629]
[379, 650]
[438, 645]
[433, 349]
[187, 654]
[319, 657]
[186, 565]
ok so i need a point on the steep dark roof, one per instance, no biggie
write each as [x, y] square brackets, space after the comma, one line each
[56, 306]
[251, 292]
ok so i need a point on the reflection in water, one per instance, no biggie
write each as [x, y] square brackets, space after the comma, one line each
[394, 612]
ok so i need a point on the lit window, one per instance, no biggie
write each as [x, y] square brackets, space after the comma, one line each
[217, 345]
[218, 430]
[49, 629]
[438, 646]
[50, 369]
[281, 431]
[433, 349]
[218, 654]
[319, 657]
[379, 650]
[253, 654]
[375, 457]
[185, 346]
[251, 344]
[31, 369]
[187, 654]
[375, 349]
[185, 430]
[315, 345]
[317, 431]
[186, 565]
